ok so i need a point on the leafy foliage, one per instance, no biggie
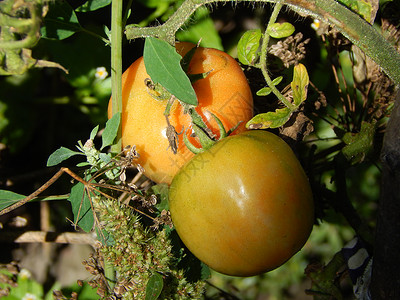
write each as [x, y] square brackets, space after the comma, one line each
[163, 65]
[363, 7]
[348, 121]
[19, 284]
[201, 29]
[280, 30]
[270, 119]
[144, 257]
[299, 84]
[91, 5]
[248, 46]
[61, 21]
[154, 287]
[265, 91]
[60, 155]
[7, 198]
[81, 207]
[280, 116]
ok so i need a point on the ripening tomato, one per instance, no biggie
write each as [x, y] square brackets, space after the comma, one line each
[225, 92]
[243, 207]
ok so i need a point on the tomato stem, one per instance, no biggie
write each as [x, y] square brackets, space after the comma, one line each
[169, 105]
[116, 64]
[263, 58]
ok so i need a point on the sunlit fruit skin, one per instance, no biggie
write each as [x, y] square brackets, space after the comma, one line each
[225, 92]
[245, 206]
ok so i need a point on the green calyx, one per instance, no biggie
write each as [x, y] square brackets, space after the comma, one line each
[205, 136]
[202, 132]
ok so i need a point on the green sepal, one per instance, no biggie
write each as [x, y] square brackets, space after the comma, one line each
[205, 140]
[222, 131]
[190, 146]
[185, 62]
[233, 128]
[194, 77]
[187, 58]
[196, 118]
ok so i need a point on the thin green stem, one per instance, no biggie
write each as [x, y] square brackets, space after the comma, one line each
[263, 59]
[116, 64]
[95, 35]
[126, 15]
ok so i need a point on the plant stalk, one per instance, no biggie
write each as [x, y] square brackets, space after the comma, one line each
[263, 57]
[116, 64]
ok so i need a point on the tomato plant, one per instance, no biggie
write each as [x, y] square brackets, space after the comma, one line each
[244, 206]
[330, 87]
[224, 92]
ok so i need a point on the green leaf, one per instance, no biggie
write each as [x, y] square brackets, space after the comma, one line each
[110, 274]
[154, 287]
[55, 287]
[60, 22]
[28, 285]
[205, 271]
[277, 80]
[92, 5]
[83, 164]
[300, 84]
[280, 30]
[111, 130]
[104, 237]
[201, 28]
[8, 198]
[248, 46]
[194, 269]
[163, 65]
[360, 144]
[160, 10]
[60, 155]
[81, 207]
[105, 157]
[161, 190]
[270, 119]
[267, 90]
[94, 132]
[362, 7]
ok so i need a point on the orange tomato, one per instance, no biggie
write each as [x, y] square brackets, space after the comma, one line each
[244, 206]
[225, 92]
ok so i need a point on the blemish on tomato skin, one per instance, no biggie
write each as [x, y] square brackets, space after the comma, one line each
[222, 63]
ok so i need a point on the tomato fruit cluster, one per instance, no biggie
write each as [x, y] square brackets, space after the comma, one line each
[244, 206]
[224, 92]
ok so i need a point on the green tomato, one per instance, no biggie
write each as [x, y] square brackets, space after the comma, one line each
[245, 206]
